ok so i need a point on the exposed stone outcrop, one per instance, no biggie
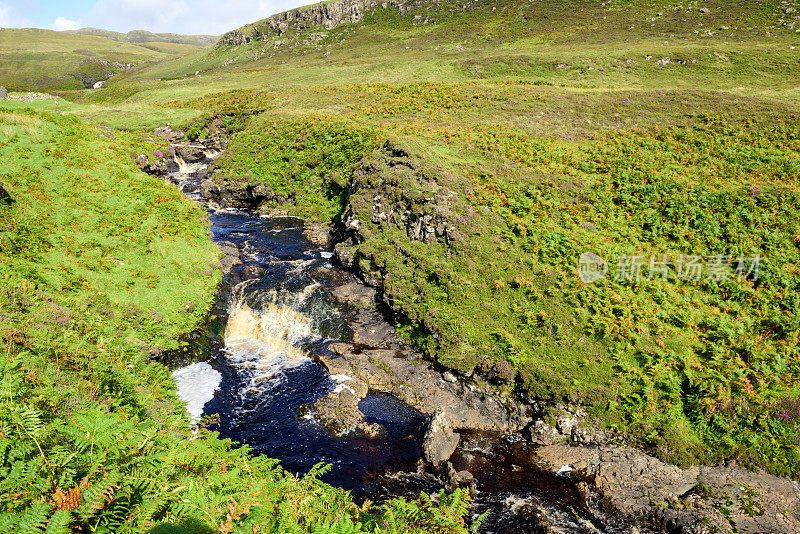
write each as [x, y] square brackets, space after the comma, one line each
[93, 70]
[248, 196]
[231, 256]
[156, 165]
[338, 412]
[697, 500]
[190, 153]
[168, 134]
[422, 212]
[327, 15]
[3, 93]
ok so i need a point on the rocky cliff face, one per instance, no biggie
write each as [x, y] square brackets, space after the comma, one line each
[328, 15]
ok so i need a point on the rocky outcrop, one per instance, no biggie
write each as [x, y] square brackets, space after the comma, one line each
[190, 153]
[168, 134]
[416, 383]
[697, 500]
[156, 164]
[402, 193]
[93, 70]
[230, 256]
[327, 15]
[338, 412]
[440, 441]
[248, 196]
[3, 93]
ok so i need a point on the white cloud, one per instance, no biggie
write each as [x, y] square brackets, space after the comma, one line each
[219, 17]
[9, 18]
[183, 16]
[61, 24]
[152, 15]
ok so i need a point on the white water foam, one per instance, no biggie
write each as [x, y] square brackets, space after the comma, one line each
[196, 386]
[340, 383]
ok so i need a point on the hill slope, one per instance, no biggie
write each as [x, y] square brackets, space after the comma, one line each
[142, 36]
[469, 154]
[45, 60]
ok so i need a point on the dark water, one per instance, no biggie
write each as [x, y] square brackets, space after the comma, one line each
[283, 280]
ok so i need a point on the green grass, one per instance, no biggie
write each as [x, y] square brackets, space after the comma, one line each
[536, 131]
[45, 60]
[102, 267]
[529, 177]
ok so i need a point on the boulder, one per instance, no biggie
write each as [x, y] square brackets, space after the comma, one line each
[319, 234]
[459, 478]
[440, 440]
[354, 294]
[684, 501]
[371, 431]
[544, 434]
[231, 256]
[3, 93]
[339, 413]
[190, 153]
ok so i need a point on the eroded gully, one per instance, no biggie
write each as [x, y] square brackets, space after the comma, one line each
[279, 311]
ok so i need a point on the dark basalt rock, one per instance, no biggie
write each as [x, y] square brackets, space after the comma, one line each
[190, 153]
[240, 195]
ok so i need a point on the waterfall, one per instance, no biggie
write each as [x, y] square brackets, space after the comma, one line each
[188, 168]
[267, 340]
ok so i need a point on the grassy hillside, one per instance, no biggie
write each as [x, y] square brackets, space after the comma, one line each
[101, 266]
[481, 148]
[542, 130]
[698, 370]
[44, 60]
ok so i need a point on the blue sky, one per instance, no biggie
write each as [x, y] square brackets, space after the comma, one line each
[179, 16]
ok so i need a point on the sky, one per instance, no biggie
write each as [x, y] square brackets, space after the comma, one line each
[209, 17]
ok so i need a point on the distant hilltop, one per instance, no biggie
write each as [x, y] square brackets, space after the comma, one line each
[142, 36]
[327, 14]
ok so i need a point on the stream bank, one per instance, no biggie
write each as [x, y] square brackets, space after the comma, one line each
[598, 475]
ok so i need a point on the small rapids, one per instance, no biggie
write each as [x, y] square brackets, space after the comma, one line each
[267, 341]
[261, 378]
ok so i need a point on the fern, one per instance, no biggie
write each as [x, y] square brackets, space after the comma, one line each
[8, 521]
[34, 520]
[59, 523]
